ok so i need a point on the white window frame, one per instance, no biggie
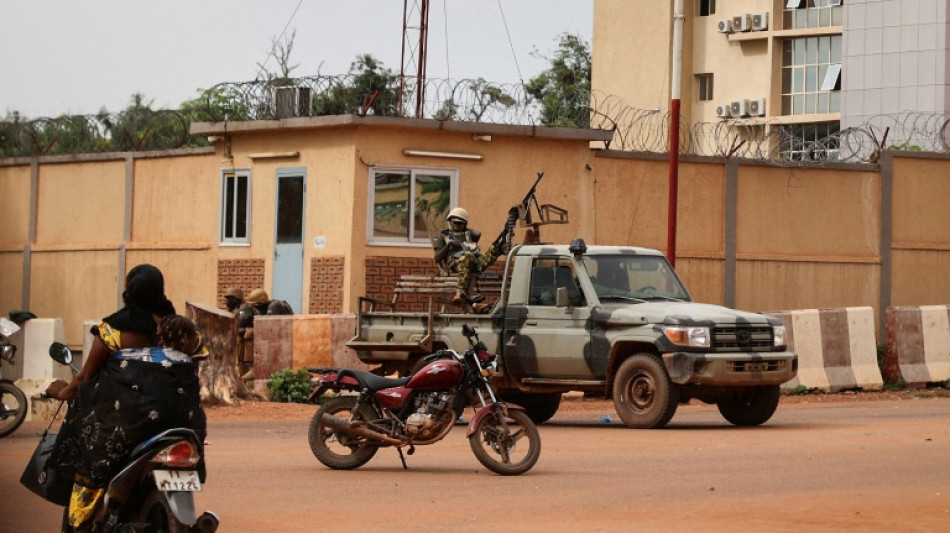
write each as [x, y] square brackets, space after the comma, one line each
[451, 173]
[231, 203]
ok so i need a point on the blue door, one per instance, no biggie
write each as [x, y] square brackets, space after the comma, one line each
[288, 241]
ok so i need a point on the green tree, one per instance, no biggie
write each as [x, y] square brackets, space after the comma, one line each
[487, 96]
[9, 127]
[219, 103]
[138, 127]
[369, 85]
[564, 89]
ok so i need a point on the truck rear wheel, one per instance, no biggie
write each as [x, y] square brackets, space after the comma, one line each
[751, 407]
[644, 396]
[539, 407]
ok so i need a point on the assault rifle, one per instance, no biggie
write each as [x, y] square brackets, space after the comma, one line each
[521, 211]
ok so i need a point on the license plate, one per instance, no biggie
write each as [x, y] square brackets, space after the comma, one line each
[180, 480]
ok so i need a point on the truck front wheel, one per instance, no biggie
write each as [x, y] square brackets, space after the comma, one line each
[644, 396]
[750, 407]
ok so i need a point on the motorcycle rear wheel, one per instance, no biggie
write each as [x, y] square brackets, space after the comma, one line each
[508, 449]
[333, 449]
[159, 516]
[13, 405]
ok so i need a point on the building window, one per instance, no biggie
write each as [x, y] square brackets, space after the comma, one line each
[810, 142]
[707, 7]
[813, 14]
[236, 207]
[805, 65]
[705, 84]
[409, 205]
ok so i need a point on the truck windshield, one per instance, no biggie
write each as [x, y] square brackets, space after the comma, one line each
[633, 277]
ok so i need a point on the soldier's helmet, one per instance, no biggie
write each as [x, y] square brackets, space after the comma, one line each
[458, 213]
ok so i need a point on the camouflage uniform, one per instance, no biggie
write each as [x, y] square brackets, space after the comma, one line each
[456, 250]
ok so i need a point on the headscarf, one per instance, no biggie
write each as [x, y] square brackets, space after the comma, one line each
[144, 295]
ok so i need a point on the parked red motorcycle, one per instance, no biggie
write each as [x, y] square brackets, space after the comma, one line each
[420, 409]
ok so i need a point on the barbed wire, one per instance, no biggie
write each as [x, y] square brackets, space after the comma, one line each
[474, 100]
[136, 129]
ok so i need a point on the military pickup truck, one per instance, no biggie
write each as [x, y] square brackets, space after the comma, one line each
[610, 321]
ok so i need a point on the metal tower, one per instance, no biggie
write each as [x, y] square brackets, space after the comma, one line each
[412, 75]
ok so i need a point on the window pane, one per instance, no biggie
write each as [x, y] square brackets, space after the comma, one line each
[811, 50]
[241, 207]
[798, 56]
[811, 103]
[811, 79]
[824, 49]
[798, 104]
[823, 99]
[290, 209]
[227, 226]
[836, 16]
[430, 205]
[391, 205]
[798, 79]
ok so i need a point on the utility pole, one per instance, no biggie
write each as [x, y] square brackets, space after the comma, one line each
[412, 74]
[676, 82]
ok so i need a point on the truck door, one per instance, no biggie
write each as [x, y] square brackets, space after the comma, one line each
[551, 341]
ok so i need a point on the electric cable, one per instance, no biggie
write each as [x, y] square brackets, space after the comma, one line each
[277, 40]
[510, 43]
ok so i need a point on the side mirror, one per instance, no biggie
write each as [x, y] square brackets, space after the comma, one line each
[61, 353]
[467, 331]
[562, 299]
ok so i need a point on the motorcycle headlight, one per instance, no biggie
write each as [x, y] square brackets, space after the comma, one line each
[692, 336]
[778, 335]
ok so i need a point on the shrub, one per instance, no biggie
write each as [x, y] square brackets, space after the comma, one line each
[289, 386]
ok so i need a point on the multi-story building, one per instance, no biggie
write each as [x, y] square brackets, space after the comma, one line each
[807, 67]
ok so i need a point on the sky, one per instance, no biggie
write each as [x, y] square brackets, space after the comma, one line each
[76, 57]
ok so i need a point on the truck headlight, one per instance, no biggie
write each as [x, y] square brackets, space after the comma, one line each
[778, 335]
[696, 337]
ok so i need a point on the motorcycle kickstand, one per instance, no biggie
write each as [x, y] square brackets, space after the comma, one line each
[412, 450]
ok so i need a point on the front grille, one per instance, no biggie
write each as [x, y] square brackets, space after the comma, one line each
[742, 338]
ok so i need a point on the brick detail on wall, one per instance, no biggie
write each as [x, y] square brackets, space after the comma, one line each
[245, 274]
[383, 272]
[326, 285]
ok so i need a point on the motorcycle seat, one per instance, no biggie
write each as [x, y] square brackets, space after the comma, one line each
[372, 381]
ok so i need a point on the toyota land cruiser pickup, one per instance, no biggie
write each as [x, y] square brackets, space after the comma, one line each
[609, 321]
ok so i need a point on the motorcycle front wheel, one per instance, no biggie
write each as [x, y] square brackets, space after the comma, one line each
[13, 405]
[507, 445]
[159, 516]
[333, 448]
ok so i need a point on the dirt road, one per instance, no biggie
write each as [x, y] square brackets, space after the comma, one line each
[821, 464]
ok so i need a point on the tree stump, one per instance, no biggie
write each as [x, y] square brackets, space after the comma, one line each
[220, 382]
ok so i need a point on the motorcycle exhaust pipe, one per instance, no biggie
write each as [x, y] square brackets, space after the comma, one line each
[338, 424]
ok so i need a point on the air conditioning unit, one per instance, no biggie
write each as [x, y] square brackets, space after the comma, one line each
[292, 101]
[760, 21]
[757, 107]
[722, 111]
[725, 26]
[742, 22]
[739, 108]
